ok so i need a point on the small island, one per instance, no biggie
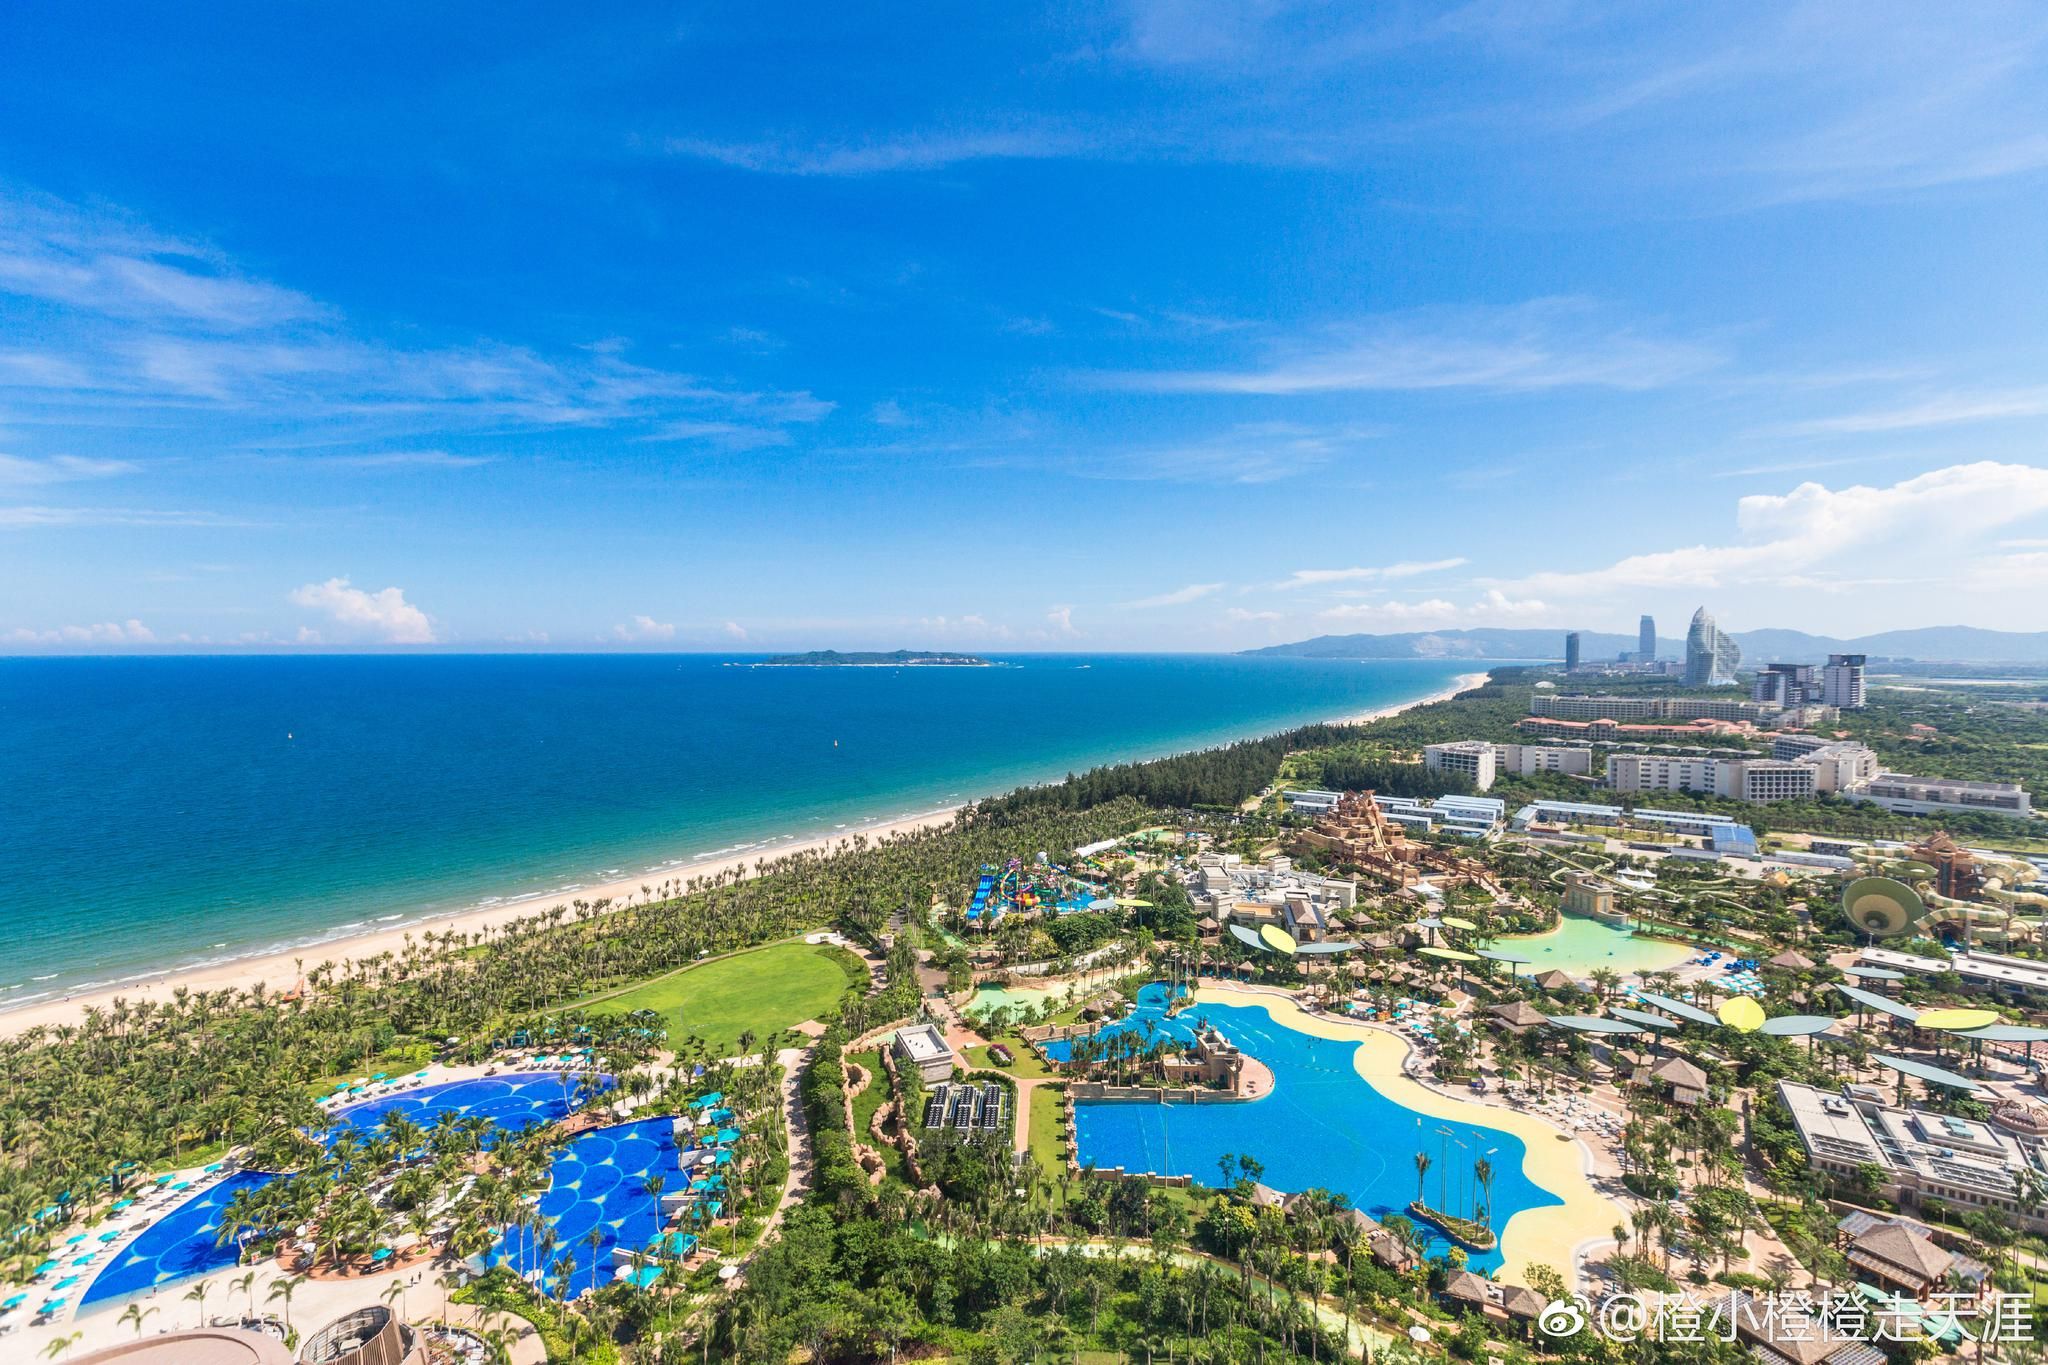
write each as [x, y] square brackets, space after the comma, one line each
[901, 658]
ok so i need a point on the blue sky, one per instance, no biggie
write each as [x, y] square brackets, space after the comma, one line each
[1174, 325]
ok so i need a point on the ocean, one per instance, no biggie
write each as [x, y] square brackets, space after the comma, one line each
[163, 812]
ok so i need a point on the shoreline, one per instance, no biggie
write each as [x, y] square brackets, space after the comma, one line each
[277, 968]
[1554, 1161]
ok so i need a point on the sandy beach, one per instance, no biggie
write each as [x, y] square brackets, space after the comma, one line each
[1464, 682]
[1552, 1235]
[280, 970]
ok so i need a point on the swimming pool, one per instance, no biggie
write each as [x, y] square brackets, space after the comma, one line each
[599, 1183]
[1580, 943]
[989, 998]
[1322, 1126]
[181, 1245]
[1148, 1016]
[512, 1102]
[177, 1246]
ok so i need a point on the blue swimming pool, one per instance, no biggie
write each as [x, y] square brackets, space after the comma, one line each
[512, 1102]
[599, 1183]
[177, 1246]
[1322, 1126]
[181, 1244]
[1148, 1018]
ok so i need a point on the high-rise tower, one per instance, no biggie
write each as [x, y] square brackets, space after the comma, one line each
[1646, 640]
[1710, 657]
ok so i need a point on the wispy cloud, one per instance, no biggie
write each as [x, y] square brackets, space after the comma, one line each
[911, 151]
[1179, 597]
[21, 472]
[1407, 568]
[1948, 409]
[129, 632]
[1243, 453]
[25, 516]
[1492, 608]
[1540, 345]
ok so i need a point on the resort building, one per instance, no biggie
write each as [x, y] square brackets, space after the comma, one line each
[1470, 758]
[1676, 1079]
[923, 1048]
[1964, 1163]
[1842, 682]
[1594, 706]
[1473, 816]
[1484, 762]
[1942, 795]
[1699, 731]
[1585, 894]
[2019, 978]
[1358, 832]
[1311, 802]
[1785, 685]
[1804, 772]
[1211, 1060]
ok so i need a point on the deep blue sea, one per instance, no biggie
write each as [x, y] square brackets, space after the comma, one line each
[165, 811]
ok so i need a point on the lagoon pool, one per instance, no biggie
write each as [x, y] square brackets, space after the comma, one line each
[1322, 1126]
[1580, 943]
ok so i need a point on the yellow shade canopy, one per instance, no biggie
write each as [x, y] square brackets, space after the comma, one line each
[1453, 922]
[1742, 1014]
[1278, 939]
[1957, 1019]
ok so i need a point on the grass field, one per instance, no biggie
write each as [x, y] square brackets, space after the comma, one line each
[1048, 1127]
[1027, 1066]
[762, 990]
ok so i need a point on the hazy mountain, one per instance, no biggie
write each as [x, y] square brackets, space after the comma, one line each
[1960, 644]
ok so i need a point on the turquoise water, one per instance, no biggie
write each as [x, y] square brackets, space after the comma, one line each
[1322, 1126]
[1582, 943]
[159, 812]
[598, 1183]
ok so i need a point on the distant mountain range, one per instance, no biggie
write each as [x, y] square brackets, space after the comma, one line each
[1958, 644]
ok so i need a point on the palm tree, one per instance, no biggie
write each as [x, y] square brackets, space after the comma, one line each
[135, 1314]
[283, 1290]
[197, 1294]
[1422, 1164]
[247, 1284]
[395, 1291]
[59, 1345]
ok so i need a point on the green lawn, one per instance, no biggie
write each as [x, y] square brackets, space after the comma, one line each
[762, 990]
[1048, 1125]
[1027, 1065]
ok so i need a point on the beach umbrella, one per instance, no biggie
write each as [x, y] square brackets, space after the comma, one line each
[74, 1239]
[111, 1236]
[17, 1301]
[120, 1204]
[52, 1306]
[46, 1267]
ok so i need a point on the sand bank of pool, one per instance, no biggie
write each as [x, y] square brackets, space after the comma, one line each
[1552, 1235]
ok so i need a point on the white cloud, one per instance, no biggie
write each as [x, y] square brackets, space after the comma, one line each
[1815, 526]
[1062, 621]
[1245, 453]
[644, 629]
[1493, 608]
[1179, 597]
[735, 630]
[129, 632]
[20, 471]
[384, 616]
[1407, 568]
[1240, 614]
[1539, 345]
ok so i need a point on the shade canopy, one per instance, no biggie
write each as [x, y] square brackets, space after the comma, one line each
[1276, 940]
[1323, 949]
[1454, 922]
[1690, 1013]
[1957, 1020]
[1495, 955]
[2006, 1033]
[1798, 1025]
[1430, 923]
[1875, 973]
[1588, 1023]
[1742, 1014]
[1643, 1017]
[1921, 1071]
[1882, 1004]
[1448, 954]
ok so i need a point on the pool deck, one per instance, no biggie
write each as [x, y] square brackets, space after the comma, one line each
[1560, 1235]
